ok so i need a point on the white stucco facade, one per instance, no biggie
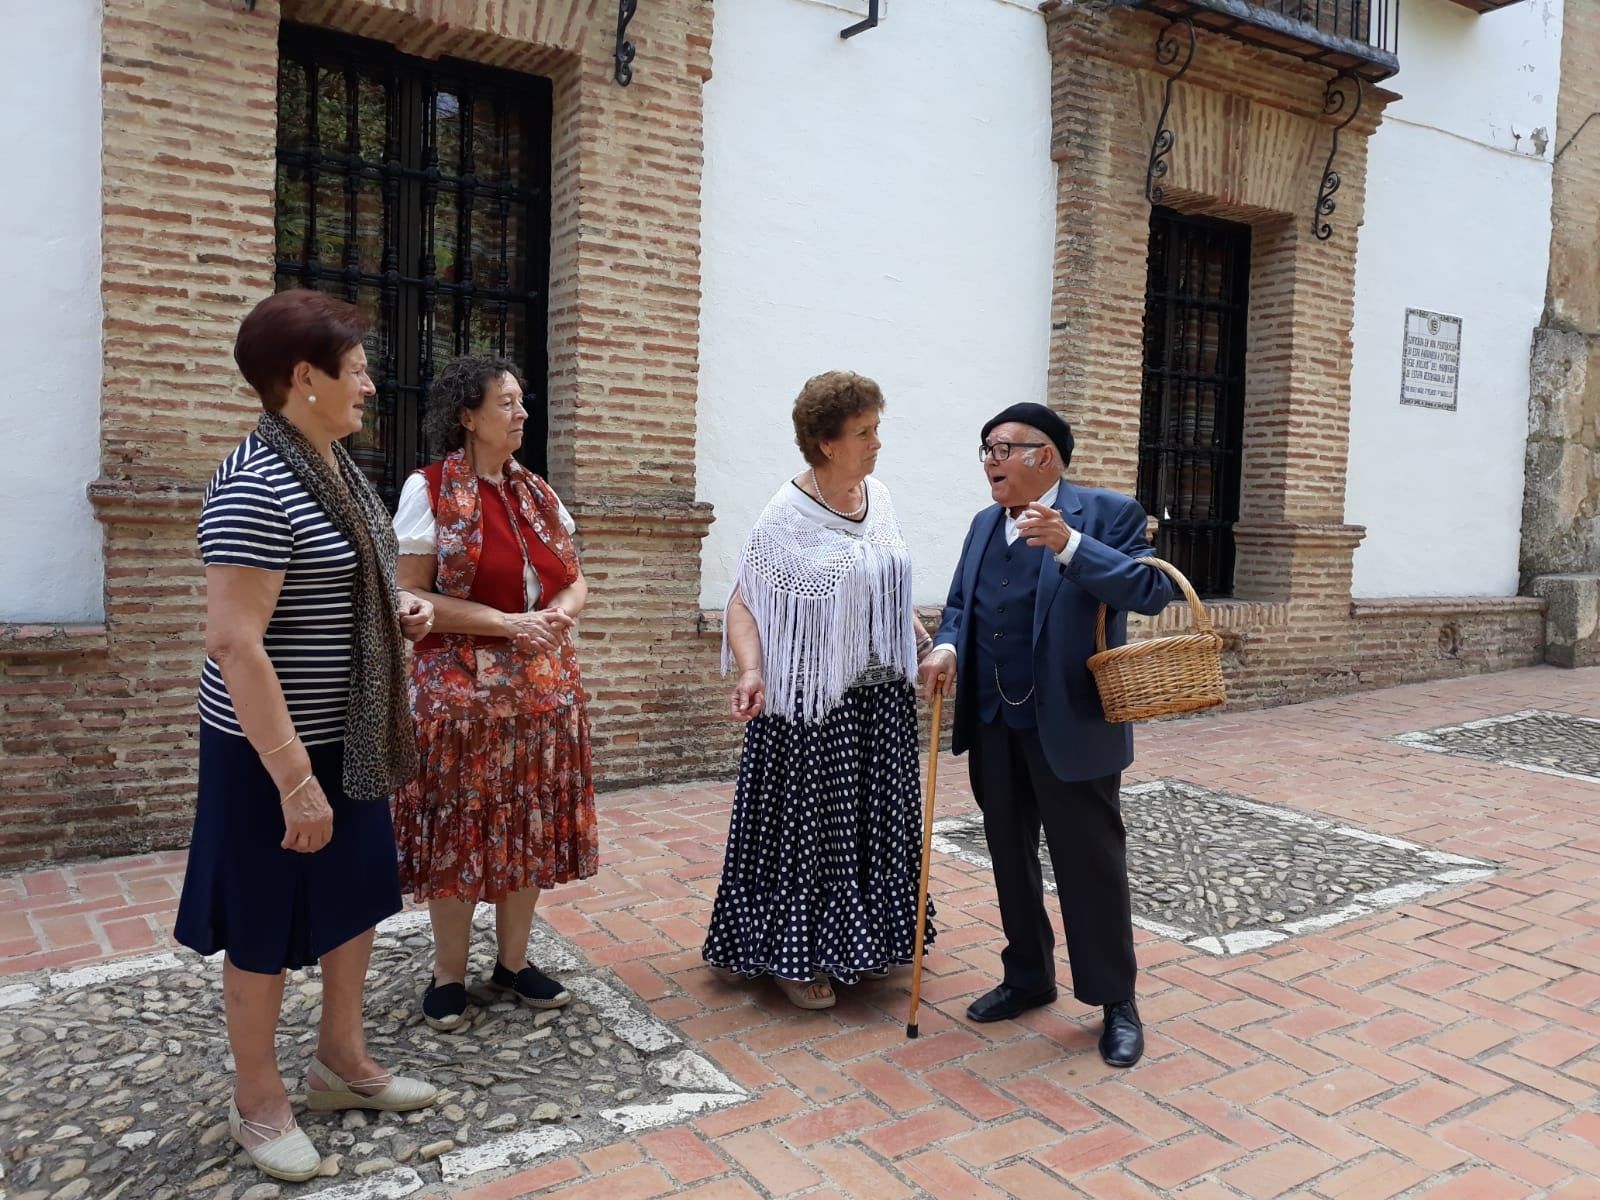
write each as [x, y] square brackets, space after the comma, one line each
[885, 205]
[50, 313]
[1457, 222]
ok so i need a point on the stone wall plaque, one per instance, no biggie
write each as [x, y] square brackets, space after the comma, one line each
[1431, 364]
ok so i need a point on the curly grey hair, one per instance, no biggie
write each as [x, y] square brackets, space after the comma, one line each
[461, 386]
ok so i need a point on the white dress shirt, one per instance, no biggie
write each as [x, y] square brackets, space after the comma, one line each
[1048, 500]
[1071, 548]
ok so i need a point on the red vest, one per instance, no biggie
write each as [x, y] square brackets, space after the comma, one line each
[498, 583]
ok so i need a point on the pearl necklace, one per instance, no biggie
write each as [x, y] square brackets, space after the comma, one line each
[848, 516]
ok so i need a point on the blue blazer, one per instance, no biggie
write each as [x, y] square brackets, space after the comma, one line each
[1077, 741]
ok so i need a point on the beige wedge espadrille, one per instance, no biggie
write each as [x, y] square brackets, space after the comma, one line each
[398, 1094]
[284, 1153]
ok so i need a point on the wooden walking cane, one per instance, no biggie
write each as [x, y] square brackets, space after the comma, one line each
[927, 858]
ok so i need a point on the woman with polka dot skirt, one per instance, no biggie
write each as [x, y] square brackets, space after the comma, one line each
[819, 882]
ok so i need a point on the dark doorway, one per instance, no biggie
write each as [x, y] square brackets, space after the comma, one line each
[1191, 423]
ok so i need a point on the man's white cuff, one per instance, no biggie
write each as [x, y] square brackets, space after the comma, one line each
[1073, 538]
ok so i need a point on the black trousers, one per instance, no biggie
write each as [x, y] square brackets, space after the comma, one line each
[1083, 828]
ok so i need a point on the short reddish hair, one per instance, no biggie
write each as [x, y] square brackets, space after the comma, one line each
[825, 403]
[292, 327]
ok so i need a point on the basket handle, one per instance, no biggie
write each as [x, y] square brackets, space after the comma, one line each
[1202, 619]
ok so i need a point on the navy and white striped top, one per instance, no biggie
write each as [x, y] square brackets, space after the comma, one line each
[257, 514]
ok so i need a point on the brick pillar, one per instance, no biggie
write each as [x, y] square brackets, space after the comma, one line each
[1292, 539]
[1102, 236]
[625, 307]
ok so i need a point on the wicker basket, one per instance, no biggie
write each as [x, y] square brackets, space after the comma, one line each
[1160, 676]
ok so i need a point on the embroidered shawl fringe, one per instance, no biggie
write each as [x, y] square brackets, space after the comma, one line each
[828, 605]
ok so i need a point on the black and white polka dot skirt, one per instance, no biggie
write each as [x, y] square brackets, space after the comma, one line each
[825, 843]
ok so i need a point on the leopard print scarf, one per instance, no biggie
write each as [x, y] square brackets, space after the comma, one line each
[380, 745]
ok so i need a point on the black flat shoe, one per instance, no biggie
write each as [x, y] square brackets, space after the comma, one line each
[1122, 1043]
[444, 1006]
[1006, 1002]
[530, 985]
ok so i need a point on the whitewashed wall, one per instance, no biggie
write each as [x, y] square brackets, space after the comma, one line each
[1457, 222]
[50, 316]
[885, 205]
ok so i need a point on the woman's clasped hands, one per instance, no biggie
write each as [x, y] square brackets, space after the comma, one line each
[542, 629]
[416, 616]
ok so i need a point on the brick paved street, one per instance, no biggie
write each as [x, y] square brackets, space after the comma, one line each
[1442, 1048]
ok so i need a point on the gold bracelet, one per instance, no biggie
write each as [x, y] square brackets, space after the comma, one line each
[293, 737]
[289, 795]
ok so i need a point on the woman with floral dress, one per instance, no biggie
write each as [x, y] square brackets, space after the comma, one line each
[502, 806]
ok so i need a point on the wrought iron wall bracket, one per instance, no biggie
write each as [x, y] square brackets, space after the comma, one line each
[625, 49]
[871, 21]
[1169, 48]
[1344, 89]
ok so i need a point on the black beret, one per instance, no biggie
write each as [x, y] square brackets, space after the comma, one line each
[1042, 419]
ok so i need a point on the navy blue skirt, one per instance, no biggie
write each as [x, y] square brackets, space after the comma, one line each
[273, 909]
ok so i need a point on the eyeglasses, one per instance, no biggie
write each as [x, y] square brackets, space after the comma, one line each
[1002, 450]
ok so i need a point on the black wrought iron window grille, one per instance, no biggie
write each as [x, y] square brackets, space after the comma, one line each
[418, 191]
[1191, 424]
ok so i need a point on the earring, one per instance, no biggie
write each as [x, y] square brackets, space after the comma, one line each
[311, 399]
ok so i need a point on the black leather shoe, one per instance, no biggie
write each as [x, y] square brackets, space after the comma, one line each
[1122, 1043]
[1005, 1002]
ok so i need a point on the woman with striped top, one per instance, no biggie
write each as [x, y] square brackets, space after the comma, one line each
[304, 726]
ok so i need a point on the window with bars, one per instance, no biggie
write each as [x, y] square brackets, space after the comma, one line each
[1191, 423]
[419, 191]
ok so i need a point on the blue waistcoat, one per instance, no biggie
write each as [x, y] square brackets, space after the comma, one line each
[1002, 613]
[1074, 735]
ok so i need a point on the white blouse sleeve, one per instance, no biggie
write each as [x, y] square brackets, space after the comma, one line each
[567, 522]
[413, 518]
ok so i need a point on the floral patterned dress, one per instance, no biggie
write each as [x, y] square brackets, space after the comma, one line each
[504, 798]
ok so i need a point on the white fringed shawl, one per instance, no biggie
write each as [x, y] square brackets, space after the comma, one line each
[831, 599]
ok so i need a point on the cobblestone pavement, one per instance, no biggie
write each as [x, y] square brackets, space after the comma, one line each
[1537, 741]
[1227, 875]
[89, 1059]
[1445, 1045]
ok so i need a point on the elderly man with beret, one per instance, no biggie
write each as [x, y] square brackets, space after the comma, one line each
[1018, 629]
